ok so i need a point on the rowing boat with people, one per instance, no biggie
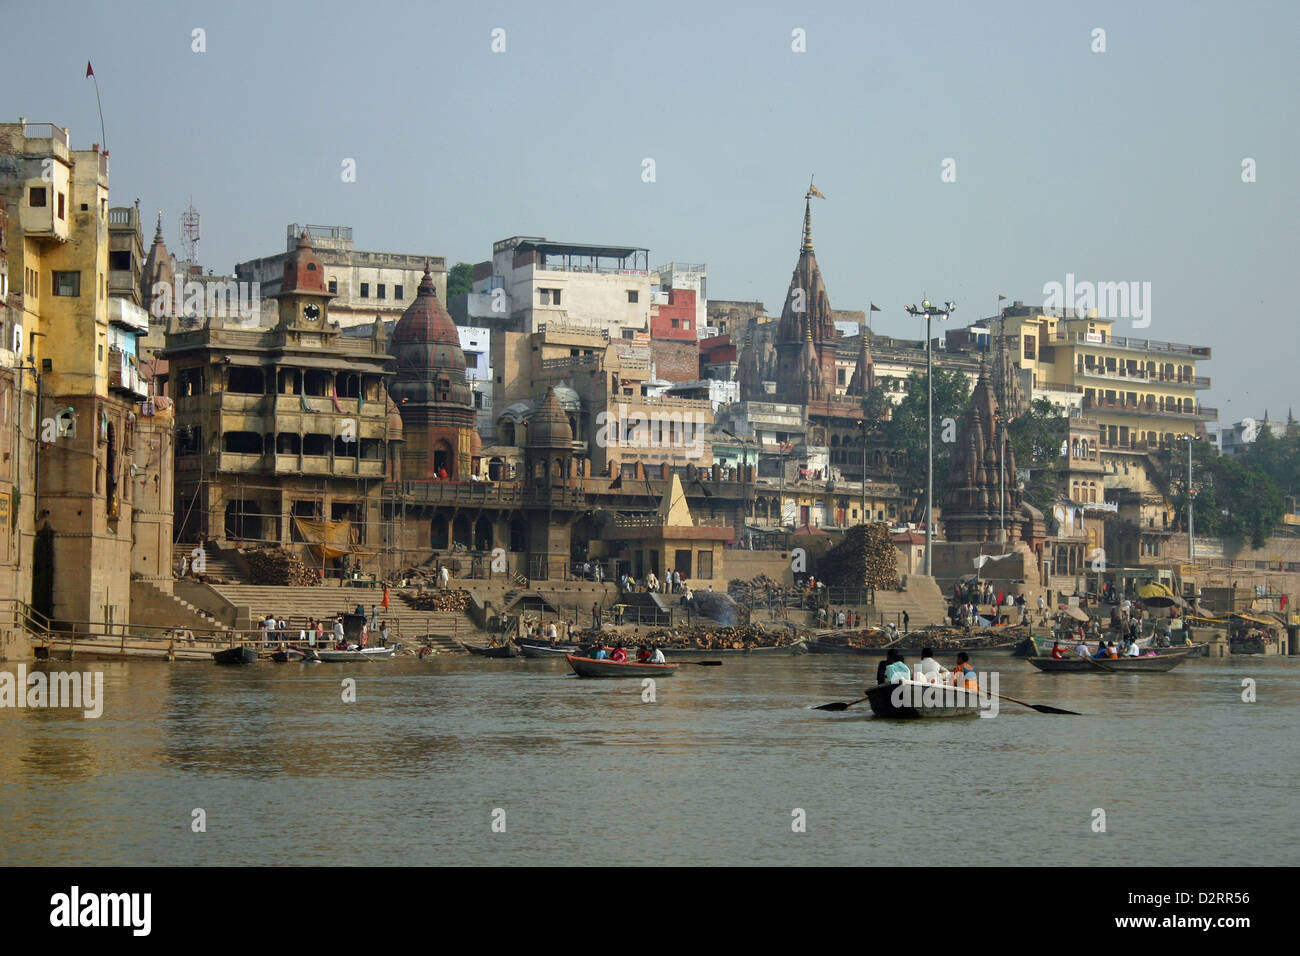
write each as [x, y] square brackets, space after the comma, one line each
[910, 699]
[590, 667]
[1149, 664]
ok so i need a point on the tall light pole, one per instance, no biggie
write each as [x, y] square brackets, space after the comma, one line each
[1191, 498]
[863, 425]
[1002, 481]
[930, 311]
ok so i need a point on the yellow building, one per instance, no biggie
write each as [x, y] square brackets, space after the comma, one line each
[72, 339]
[1142, 393]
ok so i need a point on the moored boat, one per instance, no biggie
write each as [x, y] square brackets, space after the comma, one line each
[910, 699]
[590, 667]
[330, 656]
[236, 655]
[1164, 661]
[548, 651]
[296, 655]
[502, 650]
[797, 647]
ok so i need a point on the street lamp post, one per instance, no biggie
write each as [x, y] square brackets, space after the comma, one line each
[1002, 481]
[863, 425]
[1191, 505]
[930, 311]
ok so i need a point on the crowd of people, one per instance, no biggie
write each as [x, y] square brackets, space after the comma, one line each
[646, 654]
[313, 633]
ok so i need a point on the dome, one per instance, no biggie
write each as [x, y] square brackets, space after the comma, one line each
[475, 444]
[550, 426]
[430, 363]
[516, 413]
[569, 400]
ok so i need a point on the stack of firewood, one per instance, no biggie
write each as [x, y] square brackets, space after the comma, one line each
[438, 600]
[756, 592]
[865, 557]
[280, 567]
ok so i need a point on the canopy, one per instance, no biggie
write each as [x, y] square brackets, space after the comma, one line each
[1077, 613]
[1156, 594]
[327, 539]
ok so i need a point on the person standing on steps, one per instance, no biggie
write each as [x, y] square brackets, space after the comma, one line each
[907, 623]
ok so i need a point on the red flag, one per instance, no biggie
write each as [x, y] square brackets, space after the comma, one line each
[89, 71]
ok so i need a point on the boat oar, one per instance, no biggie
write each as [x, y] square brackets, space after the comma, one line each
[1106, 668]
[1041, 708]
[702, 663]
[840, 705]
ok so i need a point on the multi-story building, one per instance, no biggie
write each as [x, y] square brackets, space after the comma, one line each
[533, 282]
[286, 432]
[1236, 438]
[364, 284]
[1142, 393]
[75, 341]
[684, 288]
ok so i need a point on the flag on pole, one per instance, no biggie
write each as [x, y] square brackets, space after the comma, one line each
[874, 307]
[1001, 297]
[814, 191]
[89, 72]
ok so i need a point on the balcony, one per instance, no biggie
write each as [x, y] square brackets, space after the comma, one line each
[1159, 409]
[124, 376]
[1105, 340]
[1121, 375]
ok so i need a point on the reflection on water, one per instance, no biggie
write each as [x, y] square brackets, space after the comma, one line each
[587, 773]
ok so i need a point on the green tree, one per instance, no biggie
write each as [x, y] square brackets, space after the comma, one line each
[1035, 439]
[906, 432]
[460, 279]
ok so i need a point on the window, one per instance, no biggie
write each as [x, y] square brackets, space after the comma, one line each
[549, 296]
[382, 292]
[675, 323]
[365, 290]
[397, 293]
[62, 201]
[334, 286]
[67, 283]
[633, 295]
[471, 360]
[119, 261]
[686, 323]
[36, 196]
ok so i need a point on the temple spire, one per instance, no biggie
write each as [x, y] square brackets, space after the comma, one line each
[807, 226]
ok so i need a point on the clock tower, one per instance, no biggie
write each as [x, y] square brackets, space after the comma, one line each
[303, 297]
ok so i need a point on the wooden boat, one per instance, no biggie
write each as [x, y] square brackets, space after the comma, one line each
[817, 646]
[1164, 661]
[330, 656]
[504, 650]
[548, 651]
[235, 655]
[909, 699]
[797, 647]
[296, 655]
[590, 667]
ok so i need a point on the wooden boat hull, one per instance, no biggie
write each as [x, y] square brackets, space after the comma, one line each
[907, 701]
[818, 647]
[1166, 661]
[505, 650]
[296, 655]
[798, 647]
[367, 654]
[590, 667]
[235, 655]
[547, 652]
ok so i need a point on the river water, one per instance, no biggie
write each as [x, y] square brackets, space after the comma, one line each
[417, 769]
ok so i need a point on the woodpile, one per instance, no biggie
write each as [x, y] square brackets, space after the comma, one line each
[865, 557]
[756, 592]
[280, 567]
[438, 600]
[956, 639]
[713, 638]
[866, 637]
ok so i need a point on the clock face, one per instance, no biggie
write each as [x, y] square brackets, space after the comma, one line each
[312, 311]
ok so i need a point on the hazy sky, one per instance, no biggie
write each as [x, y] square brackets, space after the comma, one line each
[1123, 165]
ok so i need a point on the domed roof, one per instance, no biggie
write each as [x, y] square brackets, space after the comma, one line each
[426, 321]
[475, 444]
[303, 271]
[569, 400]
[517, 412]
[430, 363]
[550, 428]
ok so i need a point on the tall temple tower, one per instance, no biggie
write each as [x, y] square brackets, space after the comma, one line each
[431, 390]
[805, 335]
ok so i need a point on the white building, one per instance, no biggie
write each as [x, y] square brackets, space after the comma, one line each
[365, 284]
[476, 343]
[687, 275]
[1234, 439]
[579, 285]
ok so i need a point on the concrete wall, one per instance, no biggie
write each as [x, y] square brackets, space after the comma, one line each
[747, 565]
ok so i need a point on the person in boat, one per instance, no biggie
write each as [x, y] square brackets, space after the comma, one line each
[599, 653]
[963, 675]
[896, 669]
[1111, 650]
[642, 654]
[656, 655]
[928, 669]
[1134, 650]
[619, 656]
[883, 665]
[1058, 652]
[1101, 651]
[1081, 649]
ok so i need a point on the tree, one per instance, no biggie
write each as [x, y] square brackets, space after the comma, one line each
[460, 279]
[875, 410]
[906, 430]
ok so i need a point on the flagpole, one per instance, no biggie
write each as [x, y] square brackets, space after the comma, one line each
[103, 137]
